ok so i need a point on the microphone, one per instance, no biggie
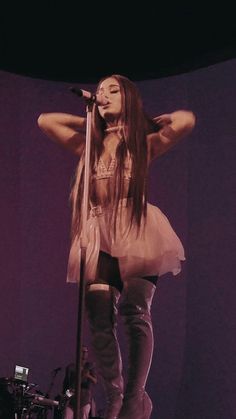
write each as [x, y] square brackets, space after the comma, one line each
[99, 100]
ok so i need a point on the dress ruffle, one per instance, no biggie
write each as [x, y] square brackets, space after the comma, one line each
[154, 250]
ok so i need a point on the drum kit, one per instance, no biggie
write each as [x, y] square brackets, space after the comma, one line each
[20, 400]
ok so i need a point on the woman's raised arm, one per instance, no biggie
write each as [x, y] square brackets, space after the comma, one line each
[66, 129]
[174, 127]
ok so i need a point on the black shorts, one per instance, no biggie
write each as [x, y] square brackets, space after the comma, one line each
[108, 272]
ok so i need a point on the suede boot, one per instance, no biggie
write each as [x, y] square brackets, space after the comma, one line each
[135, 311]
[101, 304]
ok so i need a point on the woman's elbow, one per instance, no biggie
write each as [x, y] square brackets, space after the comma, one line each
[45, 122]
[191, 122]
[42, 120]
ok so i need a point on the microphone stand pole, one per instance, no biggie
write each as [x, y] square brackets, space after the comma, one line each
[81, 298]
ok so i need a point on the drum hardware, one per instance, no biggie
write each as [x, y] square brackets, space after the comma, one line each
[44, 401]
[17, 401]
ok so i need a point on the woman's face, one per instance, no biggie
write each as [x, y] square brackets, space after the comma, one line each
[109, 90]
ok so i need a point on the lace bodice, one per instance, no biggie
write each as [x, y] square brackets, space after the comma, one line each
[104, 172]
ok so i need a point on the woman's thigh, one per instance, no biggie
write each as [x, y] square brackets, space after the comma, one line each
[108, 271]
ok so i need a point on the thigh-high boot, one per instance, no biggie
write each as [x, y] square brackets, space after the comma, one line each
[135, 310]
[101, 304]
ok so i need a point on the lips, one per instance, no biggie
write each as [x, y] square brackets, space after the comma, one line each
[106, 106]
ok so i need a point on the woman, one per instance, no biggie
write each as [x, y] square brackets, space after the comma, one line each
[88, 378]
[130, 242]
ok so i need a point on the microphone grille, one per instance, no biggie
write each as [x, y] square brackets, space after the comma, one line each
[76, 90]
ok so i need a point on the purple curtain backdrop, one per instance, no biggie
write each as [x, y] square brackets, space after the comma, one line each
[193, 374]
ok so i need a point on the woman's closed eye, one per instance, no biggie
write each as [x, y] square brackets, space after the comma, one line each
[114, 91]
[111, 90]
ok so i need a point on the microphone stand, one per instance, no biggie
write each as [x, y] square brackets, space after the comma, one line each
[81, 297]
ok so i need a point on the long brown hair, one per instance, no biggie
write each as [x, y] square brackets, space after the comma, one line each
[136, 127]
